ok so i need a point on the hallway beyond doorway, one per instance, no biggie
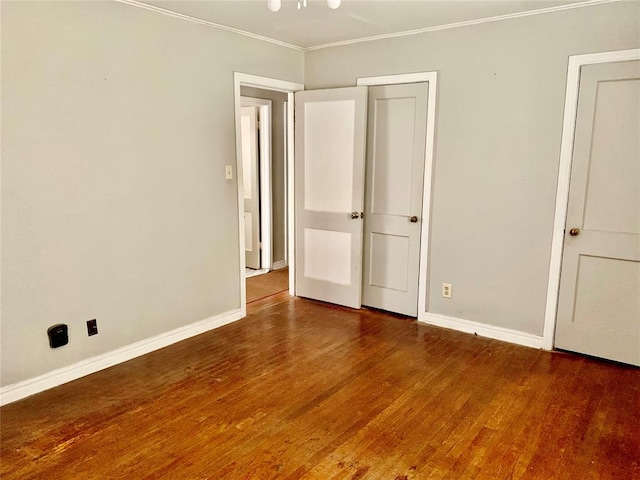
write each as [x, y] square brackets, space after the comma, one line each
[261, 286]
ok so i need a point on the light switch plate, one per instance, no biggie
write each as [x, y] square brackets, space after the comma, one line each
[228, 171]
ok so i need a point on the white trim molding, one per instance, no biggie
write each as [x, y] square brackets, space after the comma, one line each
[199, 21]
[291, 195]
[483, 330]
[398, 79]
[576, 62]
[435, 28]
[425, 232]
[20, 390]
[448, 26]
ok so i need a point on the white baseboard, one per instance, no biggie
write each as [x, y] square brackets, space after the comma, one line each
[20, 390]
[279, 265]
[482, 329]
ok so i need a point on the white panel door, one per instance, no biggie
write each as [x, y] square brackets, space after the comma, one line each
[249, 134]
[599, 298]
[330, 134]
[396, 145]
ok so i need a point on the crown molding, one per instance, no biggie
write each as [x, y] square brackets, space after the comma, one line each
[135, 3]
[467, 23]
[437, 28]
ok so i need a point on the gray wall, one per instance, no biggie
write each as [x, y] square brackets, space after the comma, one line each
[498, 130]
[277, 165]
[117, 123]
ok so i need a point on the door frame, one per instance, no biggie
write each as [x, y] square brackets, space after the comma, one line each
[264, 167]
[576, 62]
[267, 83]
[425, 232]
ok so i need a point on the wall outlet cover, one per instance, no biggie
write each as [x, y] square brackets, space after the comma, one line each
[92, 327]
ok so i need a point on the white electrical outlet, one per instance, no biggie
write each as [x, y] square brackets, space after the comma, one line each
[446, 290]
[228, 171]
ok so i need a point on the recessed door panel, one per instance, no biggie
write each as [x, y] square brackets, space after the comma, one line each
[612, 179]
[389, 261]
[328, 155]
[328, 256]
[248, 231]
[393, 155]
[606, 289]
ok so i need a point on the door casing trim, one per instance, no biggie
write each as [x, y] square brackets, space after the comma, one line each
[248, 80]
[432, 79]
[576, 62]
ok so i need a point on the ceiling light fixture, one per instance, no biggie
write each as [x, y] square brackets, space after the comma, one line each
[274, 5]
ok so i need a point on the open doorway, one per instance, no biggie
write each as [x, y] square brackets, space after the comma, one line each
[263, 131]
[264, 113]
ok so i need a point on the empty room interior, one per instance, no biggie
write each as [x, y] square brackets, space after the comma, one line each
[320, 239]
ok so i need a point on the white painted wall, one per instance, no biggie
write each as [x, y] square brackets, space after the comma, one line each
[117, 123]
[498, 130]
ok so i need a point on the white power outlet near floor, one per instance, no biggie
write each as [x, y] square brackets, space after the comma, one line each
[446, 290]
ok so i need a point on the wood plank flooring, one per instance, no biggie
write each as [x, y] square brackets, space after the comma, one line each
[305, 390]
[267, 284]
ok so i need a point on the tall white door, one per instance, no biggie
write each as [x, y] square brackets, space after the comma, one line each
[393, 196]
[599, 298]
[250, 182]
[330, 134]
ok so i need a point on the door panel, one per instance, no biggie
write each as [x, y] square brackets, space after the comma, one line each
[599, 306]
[396, 145]
[388, 261]
[393, 128]
[249, 134]
[328, 156]
[610, 169]
[329, 176]
[328, 256]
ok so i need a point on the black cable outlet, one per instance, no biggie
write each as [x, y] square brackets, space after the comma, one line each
[58, 335]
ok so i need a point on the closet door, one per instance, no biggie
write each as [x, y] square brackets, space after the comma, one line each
[330, 134]
[599, 297]
[397, 130]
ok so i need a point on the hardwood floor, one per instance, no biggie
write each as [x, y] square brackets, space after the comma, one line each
[302, 389]
[267, 284]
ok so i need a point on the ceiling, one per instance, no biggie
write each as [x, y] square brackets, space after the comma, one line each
[318, 25]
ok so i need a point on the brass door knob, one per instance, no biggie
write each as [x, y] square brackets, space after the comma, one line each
[355, 215]
[413, 219]
[574, 232]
